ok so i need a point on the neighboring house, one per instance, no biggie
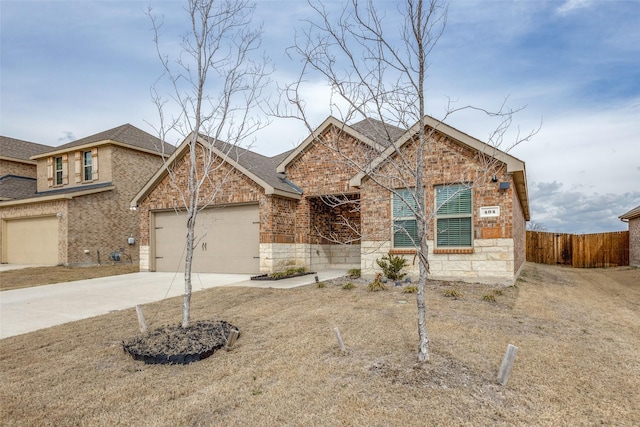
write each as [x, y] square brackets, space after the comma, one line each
[271, 213]
[633, 218]
[18, 172]
[73, 207]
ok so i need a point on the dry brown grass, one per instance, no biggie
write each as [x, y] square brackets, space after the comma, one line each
[36, 276]
[577, 363]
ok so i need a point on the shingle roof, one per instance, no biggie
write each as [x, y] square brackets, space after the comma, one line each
[633, 213]
[261, 166]
[126, 134]
[17, 187]
[21, 150]
[381, 133]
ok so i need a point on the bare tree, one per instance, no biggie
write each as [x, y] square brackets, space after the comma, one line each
[377, 69]
[215, 90]
[536, 226]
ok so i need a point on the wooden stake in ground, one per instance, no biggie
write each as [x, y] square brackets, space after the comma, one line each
[141, 321]
[507, 363]
[231, 339]
[340, 342]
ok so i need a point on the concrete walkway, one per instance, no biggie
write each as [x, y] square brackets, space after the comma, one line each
[27, 310]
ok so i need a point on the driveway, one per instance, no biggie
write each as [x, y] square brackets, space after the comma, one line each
[27, 310]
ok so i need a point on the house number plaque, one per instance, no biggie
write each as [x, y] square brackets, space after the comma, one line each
[489, 211]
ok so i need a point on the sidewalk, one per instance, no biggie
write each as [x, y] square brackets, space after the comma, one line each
[27, 310]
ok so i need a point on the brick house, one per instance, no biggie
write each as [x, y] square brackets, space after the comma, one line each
[69, 205]
[633, 219]
[314, 207]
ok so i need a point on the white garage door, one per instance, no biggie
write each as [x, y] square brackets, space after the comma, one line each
[227, 240]
[32, 241]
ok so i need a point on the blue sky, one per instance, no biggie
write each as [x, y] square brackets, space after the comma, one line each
[70, 69]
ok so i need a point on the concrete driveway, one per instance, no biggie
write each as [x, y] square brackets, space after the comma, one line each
[30, 309]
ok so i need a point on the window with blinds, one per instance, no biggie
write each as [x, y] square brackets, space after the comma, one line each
[454, 216]
[405, 227]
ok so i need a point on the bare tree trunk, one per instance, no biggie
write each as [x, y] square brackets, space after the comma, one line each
[217, 85]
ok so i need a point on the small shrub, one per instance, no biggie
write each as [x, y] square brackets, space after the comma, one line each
[354, 273]
[489, 298]
[452, 293]
[294, 270]
[391, 266]
[349, 286]
[410, 289]
[377, 284]
[278, 274]
[320, 285]
[497, 292]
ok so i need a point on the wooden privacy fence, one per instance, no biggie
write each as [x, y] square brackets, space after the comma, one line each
[579, 250]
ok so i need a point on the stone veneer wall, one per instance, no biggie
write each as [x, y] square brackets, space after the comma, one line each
[280, 256]
[491, 262]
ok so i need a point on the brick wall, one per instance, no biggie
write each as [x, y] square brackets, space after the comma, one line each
[102, 223]
[634, 242]
[8, 167]
[325, 168]
[519, 235]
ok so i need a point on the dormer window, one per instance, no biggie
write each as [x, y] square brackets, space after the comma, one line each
[58, 170]
[87, 164]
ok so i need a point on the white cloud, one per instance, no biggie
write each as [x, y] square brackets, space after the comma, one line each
[571, 5]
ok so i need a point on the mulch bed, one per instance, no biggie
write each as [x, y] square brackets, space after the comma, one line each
[289, 276]
[174, 344]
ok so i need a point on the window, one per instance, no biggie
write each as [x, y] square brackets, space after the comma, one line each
[58, 170]
[405, 227]
[453, 216]
[87, 174]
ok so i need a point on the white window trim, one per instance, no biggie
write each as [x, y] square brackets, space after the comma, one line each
[85, 166]
[56, 171]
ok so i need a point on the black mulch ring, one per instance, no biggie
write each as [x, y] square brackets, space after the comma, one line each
[174, 344]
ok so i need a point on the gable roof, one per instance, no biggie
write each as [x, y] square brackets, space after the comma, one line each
[331, 121]
[19, 150]
[514, 166]
[260, 169]
[126, 135]
[633, 213]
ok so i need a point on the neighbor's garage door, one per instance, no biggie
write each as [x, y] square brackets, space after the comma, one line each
[228, 240]
[32, 240]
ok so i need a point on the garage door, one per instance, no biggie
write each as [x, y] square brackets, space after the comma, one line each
[32, 241]
[227, 240]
